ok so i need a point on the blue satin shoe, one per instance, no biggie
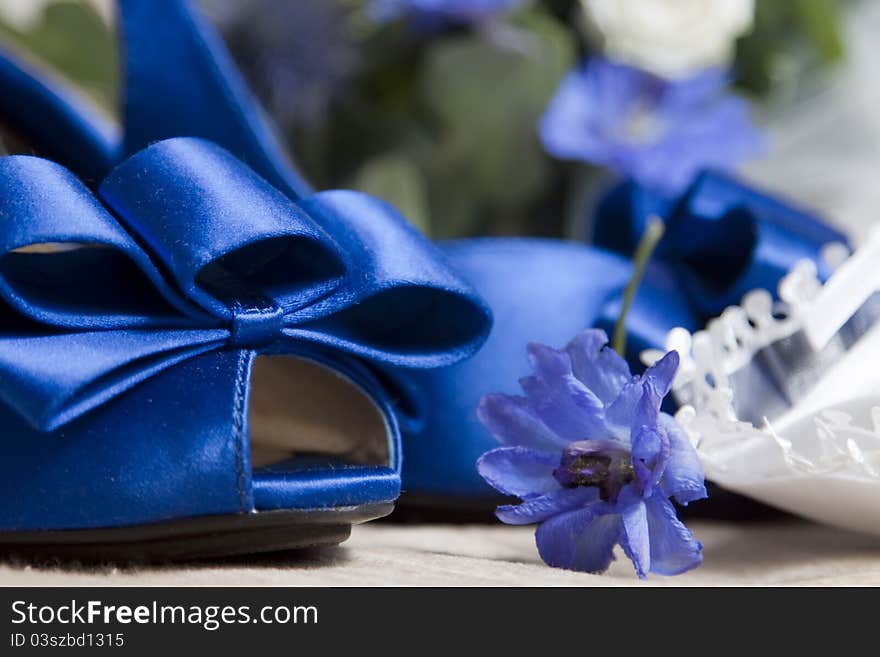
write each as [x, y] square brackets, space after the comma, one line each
[180, 80]
[539, 290]
[186, 360]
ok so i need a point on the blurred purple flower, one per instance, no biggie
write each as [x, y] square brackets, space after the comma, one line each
[660, 133]
[439, 11]
[594, 460]
[297, 56]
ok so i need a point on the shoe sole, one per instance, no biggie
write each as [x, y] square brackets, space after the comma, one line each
[190, 539]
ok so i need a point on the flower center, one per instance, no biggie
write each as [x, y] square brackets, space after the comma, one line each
[642, 126]
[604, 464]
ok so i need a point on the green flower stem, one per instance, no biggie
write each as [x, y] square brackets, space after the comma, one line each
[644, 251]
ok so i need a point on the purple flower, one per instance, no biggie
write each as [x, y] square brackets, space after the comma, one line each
[660, 133]
[434, 11]
[594, 460]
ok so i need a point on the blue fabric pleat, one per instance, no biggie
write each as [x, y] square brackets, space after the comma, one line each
[181, 81]
[225, 259]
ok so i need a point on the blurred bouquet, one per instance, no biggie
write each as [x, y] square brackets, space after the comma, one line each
[487, 117]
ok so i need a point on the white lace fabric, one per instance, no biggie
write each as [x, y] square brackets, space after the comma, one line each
[820, 457]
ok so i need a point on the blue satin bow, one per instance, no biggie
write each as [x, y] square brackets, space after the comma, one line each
[202, 254]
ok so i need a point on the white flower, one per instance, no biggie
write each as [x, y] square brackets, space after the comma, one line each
[672, 38]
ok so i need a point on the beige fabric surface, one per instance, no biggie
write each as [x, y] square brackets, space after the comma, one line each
[788, 553]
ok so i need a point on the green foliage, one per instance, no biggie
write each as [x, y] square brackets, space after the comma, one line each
[444, 123]
[395, 178]
[486, 100]
[73, 40]
[791, 38]
[821, 23]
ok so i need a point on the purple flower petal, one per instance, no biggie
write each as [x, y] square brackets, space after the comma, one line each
[512, 422]
[594, 460]
[662, 373]
[671, 164]
[659, 132]
[619, 414]
[565, 129]
[583, 119]
[519, 471]
[581, 540]
[650, 454]
[598, 366]
[638, 403]
[634, 538]
[637, 406]
[566, 406]
[538, 509]
[548, 363]
[648, 443]
[683, 476]
[694, 91]
[673, 548]
[647, 410]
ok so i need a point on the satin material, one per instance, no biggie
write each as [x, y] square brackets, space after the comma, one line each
[723, 238]
[173, 447]
[555, 291]
[58, 123]
[128, 336]
[181, 81]
[205, 255]
[167, 449]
